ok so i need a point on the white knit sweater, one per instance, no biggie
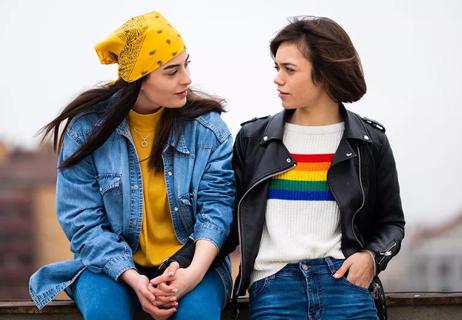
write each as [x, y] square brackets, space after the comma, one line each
[302, 217]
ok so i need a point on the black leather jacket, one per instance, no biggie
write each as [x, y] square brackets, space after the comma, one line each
[362, 179]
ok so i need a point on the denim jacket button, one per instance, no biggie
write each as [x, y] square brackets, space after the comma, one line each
[135, 187]
[176, 208]
[170, 173]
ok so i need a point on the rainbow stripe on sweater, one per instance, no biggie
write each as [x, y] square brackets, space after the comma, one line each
[307, 181]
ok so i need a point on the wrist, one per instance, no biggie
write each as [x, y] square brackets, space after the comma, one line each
[372, 255]
[130, 277]
[196, 273]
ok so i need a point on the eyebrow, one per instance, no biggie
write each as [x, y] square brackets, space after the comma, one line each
[175, 65]
[285, 64]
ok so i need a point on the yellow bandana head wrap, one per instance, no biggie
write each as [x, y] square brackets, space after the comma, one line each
[141, 45]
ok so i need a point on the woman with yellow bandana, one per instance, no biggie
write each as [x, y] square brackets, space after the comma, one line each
[144, 179]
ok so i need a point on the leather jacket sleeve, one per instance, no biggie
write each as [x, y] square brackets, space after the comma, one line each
[183, 256]
[389, 218]
[238, 166]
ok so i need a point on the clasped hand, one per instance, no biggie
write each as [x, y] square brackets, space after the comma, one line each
[162, 294]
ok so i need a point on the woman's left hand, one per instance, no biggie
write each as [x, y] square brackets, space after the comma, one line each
[360, 267]
[185, 280]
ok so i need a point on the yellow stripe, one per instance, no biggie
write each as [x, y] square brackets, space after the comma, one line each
[303, 175]
[312, 166]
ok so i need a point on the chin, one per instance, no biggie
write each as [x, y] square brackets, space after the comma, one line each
[288, 107]
[178, 104]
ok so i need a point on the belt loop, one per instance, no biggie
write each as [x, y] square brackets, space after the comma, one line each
[330, 264]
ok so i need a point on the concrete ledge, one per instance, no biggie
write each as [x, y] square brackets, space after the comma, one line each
[401, 306]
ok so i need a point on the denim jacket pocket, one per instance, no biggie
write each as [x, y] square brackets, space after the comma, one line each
[107, 182]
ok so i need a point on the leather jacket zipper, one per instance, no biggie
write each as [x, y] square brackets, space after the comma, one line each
[387, 252]
[362, 203]
[363, 198]
[239, 220]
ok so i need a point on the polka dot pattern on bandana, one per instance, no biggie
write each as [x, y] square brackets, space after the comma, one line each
[141, 45]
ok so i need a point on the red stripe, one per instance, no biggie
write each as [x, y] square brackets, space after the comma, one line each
[313, 157]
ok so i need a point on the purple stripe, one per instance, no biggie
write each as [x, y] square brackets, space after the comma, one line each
[300, 195]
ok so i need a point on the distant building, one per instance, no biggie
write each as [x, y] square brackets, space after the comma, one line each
[430, 260]
[30, 235]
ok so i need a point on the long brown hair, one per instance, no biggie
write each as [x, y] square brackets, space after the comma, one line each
[123, 96]
[335, 62]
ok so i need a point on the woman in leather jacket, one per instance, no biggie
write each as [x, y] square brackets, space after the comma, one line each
[318, 211]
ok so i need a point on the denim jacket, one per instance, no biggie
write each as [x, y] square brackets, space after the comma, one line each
[100, 199]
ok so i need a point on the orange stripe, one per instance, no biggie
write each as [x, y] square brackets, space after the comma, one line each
[312, 166]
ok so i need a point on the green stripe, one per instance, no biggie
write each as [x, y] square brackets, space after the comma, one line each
[299, 185]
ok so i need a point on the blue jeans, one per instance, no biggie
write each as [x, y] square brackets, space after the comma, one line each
[308, 290]
[99, 297]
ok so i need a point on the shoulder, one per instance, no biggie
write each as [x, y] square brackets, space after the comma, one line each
[84, 123]
[376, 131]
[254, 126]
[373, 123]
[212, 122]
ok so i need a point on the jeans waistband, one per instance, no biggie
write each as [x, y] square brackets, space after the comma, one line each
[331, 263]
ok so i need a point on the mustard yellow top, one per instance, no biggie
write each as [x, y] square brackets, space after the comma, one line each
[157, 239]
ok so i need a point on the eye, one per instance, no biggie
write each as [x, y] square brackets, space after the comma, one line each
[186, 64]
[290, 71]
[276, 67]
[171, 74]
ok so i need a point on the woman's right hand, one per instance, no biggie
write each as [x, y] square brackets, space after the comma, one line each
[156, 307]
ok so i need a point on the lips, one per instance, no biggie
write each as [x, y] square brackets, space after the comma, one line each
[282, 94]
[182, 93]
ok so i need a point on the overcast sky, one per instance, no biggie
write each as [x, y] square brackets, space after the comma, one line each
[411, 53]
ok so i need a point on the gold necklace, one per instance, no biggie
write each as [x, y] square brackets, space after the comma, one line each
[144, 139]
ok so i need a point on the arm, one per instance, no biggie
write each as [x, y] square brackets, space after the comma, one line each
[215, 206]
[388, 225]
[389, 218]
[82, 216]
[238, 166]
[215, 197]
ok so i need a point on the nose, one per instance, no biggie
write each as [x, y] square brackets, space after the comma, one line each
[186, 78]
[278, 80]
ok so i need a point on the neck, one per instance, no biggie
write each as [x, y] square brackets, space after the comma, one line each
[144, 106]
[321, 114]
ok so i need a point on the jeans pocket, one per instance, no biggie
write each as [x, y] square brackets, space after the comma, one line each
[257, 287]
[352, 285]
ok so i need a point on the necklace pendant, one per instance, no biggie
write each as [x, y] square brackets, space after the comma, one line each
[144, 143]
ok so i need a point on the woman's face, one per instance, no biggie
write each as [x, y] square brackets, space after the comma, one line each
[166, 86]
[294, 83]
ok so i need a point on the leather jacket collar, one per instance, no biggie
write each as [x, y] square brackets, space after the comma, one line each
[354, 126]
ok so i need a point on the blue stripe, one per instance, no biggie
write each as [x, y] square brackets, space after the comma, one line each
[300, 195]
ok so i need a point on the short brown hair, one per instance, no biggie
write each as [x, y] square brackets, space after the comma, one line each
[336, 64]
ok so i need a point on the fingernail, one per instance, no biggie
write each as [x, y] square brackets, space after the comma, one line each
[336, 275]
[175, 290]
[170, 273]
